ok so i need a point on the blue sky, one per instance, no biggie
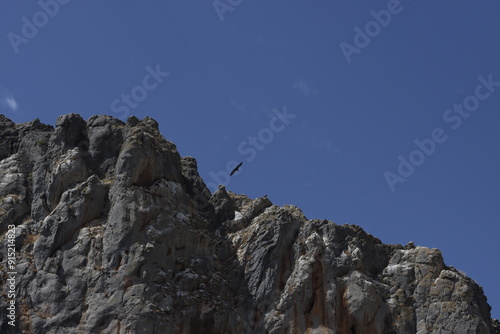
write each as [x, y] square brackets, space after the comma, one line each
[269, 84]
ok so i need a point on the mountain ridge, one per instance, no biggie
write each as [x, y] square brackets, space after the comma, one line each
[115, 232]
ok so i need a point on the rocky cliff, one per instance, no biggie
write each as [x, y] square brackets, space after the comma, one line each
[115, 232]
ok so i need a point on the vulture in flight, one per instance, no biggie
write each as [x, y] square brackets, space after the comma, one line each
[236, 169]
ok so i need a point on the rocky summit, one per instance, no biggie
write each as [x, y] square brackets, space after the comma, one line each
[113, 231]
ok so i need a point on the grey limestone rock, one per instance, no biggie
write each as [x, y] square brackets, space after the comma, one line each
[116, 233]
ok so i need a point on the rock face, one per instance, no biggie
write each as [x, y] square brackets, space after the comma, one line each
[116, 233]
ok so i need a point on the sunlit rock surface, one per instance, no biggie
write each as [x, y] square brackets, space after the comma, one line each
[116, 233]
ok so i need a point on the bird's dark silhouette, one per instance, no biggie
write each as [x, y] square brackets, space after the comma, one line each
[236, 169]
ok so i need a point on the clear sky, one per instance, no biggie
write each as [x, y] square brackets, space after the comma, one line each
[323, 101]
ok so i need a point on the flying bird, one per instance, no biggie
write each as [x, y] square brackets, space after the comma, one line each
[236, 168]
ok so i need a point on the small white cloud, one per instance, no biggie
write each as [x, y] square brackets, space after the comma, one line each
[8, 101]
[11, 103]
[304, 87]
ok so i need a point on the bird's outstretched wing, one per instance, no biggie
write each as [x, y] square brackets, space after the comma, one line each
[236, 168]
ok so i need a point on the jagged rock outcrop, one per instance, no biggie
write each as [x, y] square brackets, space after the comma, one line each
[116, 233]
